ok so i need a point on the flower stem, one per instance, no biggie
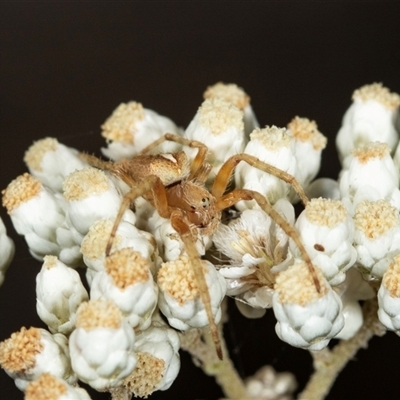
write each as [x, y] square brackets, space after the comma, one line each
[201, 346]
[329, 363]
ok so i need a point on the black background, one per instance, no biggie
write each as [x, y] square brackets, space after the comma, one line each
[66, 65]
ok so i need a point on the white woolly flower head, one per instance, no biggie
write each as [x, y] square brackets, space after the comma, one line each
[91, 196]
[179, 297]
[7, 251]
[31, 352]
[389, 297]
[268, 384]
[306, 318]
[94, 243]
[274, 146]
[377, 236]
[237, 96]
[27, 202]
[51, 162]
[48, 386]
[127, 281]
[158, 364]
[131, 128]
[102, 345]
[59, 292]
[256, 248]
[327, 230]
[371, 175]
[219, 124]
[370, 118]
[308, 145]
[351, 291]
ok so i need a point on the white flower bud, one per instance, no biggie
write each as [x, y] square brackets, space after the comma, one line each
[371, 175]
[274, 146]
[30, 352]
[308, 145]
[48, 386]
[353, 289]
[51, 162]
[170, 243]
[267, 384]
[158, 364]
[377, 236]
[28, 201]
[94, 243]
[237, 96]
[370, 118]
[323, 187]
[131, 128]
[127, 281]
[7, 250]
[306, 318]
[327, 230]
[179, 298]
[101, 346]
[59, 292]
[91, 196]
[219, 124]
[389, 297]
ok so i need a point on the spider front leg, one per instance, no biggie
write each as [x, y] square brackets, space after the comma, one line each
[183, 229]
[225, 201]
[222, 179]
[152, 185]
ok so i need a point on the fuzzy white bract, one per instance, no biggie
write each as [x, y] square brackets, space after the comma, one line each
[7, 250]
[389, 297]
[327, 230]
[237, 96]
[219, 124]
[48, 386]
[102, 345]
[370, 118]
[36, 214]
[377, 236]
[371, 175]
[59, 292]
[308, 145]
[306, 318]
[274, 146]
[51, 162]
[158, 364]
[179, 298]
[127, 281]
[31, 352]
[131, 128]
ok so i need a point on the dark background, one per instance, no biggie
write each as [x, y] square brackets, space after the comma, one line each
[66, 66]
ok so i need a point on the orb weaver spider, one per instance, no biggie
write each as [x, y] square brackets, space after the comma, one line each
[176, 188]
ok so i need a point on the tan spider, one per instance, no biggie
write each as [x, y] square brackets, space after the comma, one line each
[176, 188]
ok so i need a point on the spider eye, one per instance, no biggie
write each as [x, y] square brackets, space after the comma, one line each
[193, 207]
[205, 201]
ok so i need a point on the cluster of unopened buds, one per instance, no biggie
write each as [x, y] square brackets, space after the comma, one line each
[165, 235]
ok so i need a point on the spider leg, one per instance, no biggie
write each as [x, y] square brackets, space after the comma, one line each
[198, 162]
[183, 229]
[152, 188]
[236, 195]
[222, 179]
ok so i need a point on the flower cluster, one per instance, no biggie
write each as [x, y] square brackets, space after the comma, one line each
[147, 253]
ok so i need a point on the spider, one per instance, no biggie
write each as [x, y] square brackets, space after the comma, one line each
[176, 188]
